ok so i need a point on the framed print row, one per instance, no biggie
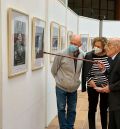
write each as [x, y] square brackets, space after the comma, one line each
[18, 42]
[85, 42]
[57, 38]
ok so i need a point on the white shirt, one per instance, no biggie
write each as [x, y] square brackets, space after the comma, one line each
[114, 56]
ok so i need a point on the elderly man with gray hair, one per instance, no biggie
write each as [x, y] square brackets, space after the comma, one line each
[113, 88]
[66, 72]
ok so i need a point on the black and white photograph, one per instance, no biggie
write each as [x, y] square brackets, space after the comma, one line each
[91, 43]
[85, 42]
[63, 42]
[38, 43]
[54, 38]
[69, 35]
[55, 42]
[39, 38]
[18, 42]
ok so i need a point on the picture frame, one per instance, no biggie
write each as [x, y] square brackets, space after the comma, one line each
[91, 43]
[63, 43]
[54, 39]
[85, 42]
[18, 32]
[38, 33]
[69, 35]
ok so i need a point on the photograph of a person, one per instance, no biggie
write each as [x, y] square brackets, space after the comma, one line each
[69, 35]
[85, 42]
[90, 44]
[55, 42]
[38, 43]
[39, 37]
[18, 42]
[63, 43]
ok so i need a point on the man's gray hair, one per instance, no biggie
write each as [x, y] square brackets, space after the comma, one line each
[114, 41]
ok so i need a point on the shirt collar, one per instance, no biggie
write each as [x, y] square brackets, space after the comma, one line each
[114, 56]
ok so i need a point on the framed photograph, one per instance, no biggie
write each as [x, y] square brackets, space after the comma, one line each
[69, 36]
[85, 42]
[54, 39]
[63, 43]
[91, 43]
[38, 27]
[18, 23]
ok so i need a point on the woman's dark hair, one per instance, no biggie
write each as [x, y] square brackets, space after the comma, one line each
[103, 40]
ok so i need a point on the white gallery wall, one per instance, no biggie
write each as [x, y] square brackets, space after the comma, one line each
[29, 100]
[111, 28]
[0, 73]
[23, 96]
[72, 21]
[56, 13]
[88, 26]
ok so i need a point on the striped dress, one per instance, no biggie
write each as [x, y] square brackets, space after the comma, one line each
[95, 74]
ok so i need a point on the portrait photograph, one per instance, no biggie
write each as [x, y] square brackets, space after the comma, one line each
[91, 43]
[54, 38]
[63, 43]
[37, 43]
[18, 42]
[85, 42]
[69, 36]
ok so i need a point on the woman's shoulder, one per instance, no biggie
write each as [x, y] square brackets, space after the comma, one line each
[89, 54]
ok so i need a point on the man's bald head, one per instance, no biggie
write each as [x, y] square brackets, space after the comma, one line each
[113, 46]
[76, 40]
[114, 41]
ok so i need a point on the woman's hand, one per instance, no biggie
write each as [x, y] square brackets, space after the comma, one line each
[101, 66]
[92, 83]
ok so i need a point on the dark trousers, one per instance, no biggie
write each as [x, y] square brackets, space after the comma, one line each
[66, 116]
[93, 97]
[114, 120]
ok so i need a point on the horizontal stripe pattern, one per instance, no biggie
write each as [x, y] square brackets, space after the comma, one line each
[95, 74]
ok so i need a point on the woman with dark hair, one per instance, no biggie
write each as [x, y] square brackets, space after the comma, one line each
[93, 77]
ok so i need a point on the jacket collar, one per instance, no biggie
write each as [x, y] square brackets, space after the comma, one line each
[114, 62]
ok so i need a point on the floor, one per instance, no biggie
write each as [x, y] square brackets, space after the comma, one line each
[81, 118]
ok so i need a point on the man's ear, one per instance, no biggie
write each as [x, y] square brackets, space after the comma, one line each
[117, 48]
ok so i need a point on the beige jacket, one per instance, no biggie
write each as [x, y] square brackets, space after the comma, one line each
[63, 70]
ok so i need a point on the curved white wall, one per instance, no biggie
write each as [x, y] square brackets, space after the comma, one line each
[111, 28]
[56, 13]
[88, 26]
[72, 21]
